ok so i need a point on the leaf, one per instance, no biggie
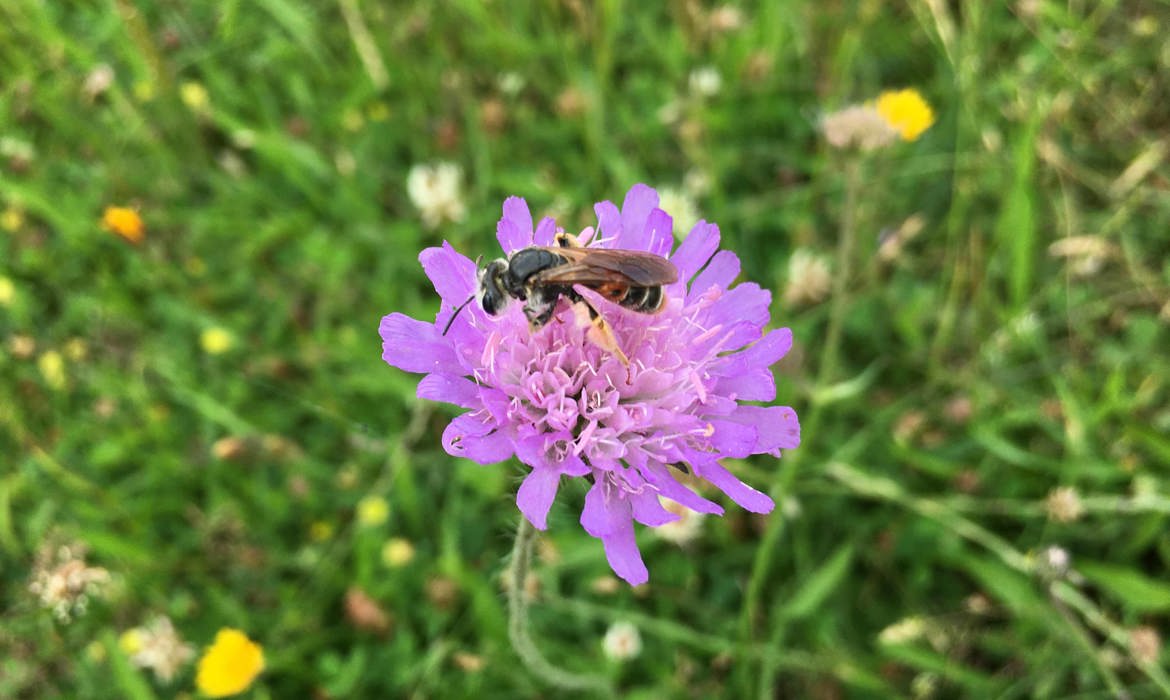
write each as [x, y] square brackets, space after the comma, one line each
[1135, 590]
[817, 587]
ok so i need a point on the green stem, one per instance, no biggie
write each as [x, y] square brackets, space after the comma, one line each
[518, 631]
[826, 374]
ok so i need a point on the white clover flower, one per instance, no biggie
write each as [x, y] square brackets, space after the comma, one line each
[681, 206]
[622, 642]
[705, 81]
[437, 191]
[809, 278]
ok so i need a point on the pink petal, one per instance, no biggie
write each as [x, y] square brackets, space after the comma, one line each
[648, 510]
[602, 516]
[609, 222]
[776, 426]
[659, 233]
[744, 495]
[467, 436]
[639, 202]
[546, 232]
[449, 389]
[720, 272]
[536, 494]
[452, 274]
[414, 346]
[514, 231]
[621, 550]
[698, 247]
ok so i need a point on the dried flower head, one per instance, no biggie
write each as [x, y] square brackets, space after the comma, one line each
[437, 191]
[365, 613]
[156, 646]
[124, 222]
[567, 408]
[97, 81]
[1086, 255]
[1145, 644]
[64, 583]
[906, 111]
[229, 665]
[858, 126]
[1064, 504]
[622, 641]
[809, 278]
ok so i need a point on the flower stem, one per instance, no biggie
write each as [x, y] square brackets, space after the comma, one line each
[751, 620]
[518, 630]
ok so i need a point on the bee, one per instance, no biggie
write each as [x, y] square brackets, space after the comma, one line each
[540, 276]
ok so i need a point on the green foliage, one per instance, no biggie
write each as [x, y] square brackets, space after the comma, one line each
[946, 388]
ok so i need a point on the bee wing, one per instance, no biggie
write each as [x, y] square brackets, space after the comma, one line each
[596, 266]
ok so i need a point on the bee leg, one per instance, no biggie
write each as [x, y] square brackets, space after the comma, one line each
[600, 333]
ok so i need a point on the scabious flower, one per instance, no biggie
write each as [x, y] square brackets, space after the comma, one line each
[229, 665]
[567, 408]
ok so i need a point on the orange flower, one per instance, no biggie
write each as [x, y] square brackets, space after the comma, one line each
[229, 665]
[125, 222]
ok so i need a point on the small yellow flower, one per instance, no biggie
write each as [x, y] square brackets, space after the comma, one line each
[76, 349]
[319, 531]
[372, 510]
[7, 291]
[12, 219]
[229, 665]
[131, 641]
[125, 222]
[906, 111]
[195, 96]
[216, 341]
[397, 552]
[52, 367]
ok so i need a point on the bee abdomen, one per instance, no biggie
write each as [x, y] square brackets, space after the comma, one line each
[643, 299]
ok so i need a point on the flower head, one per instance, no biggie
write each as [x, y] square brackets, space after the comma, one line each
[158, 647]
[124, 222]
[567, 408]
[216, 340]
[437, 191]
[64, 582]
[906, 111]
[622, 641]
[229, 665]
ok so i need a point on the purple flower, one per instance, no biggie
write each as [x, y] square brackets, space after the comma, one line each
[567, 408]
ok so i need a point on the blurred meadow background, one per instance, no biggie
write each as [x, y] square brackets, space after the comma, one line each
[197, 430]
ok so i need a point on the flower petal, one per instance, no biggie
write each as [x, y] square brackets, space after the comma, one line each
[415, 346]
[648, 510]
[668, 487]
[514, 231]
[621, 550]
[468, 436]
[609, 222]
[698, 247]
[764, 353]
[748, 385]
[546, 232]
[733, 439]
[744, 495]
[659, 232]
[449, 389]
[452, 274]
[639, 202]
[720, 272]
[776, 426]
[602, 516]
[536, 494]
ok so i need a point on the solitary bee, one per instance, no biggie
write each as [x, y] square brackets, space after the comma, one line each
[540, 275]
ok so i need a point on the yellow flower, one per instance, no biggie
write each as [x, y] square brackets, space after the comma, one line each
[12, 219]
[131, 641]
[195, 96]
[319, 531]
[372, 510]
[125, 222]
[7, 291]
[906, 111]
[397, 552]
[216, 341]
[52, 367]
[229, 665]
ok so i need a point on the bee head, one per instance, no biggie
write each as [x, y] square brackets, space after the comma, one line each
[491, 291]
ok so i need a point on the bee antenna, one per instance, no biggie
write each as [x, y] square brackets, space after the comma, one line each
[457, 310]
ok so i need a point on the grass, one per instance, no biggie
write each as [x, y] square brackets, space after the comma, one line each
[945, 393]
